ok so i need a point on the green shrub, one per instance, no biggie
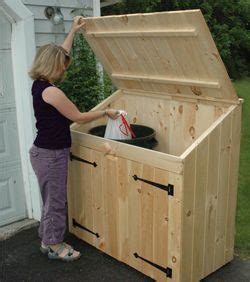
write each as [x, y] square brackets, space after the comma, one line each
[82, 80]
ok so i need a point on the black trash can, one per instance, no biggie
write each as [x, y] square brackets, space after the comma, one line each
[145, 136]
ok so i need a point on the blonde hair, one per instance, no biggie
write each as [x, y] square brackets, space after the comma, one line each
[50, 63]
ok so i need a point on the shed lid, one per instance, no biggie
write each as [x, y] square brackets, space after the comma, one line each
[167, 52]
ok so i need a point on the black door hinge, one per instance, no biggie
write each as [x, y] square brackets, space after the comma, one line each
[169, 187]
[76, 224]
[73, 157]
[166, 270]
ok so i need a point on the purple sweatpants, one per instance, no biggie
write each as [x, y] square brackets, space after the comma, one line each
[51, 168]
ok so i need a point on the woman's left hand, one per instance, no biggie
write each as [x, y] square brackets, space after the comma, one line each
[78, 23]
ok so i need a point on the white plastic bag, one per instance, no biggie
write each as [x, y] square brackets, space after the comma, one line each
[119, 129]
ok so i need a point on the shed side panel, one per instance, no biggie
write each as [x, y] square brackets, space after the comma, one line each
[188, 217]
[208, 204]
[233, 182]
[201, 180]
[222, 193]
[211, 200]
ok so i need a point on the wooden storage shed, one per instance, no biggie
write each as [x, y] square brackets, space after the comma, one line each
[168, 212]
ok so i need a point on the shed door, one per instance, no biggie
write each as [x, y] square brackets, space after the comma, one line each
[12, 197]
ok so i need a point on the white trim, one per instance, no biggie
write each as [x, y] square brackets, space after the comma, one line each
[23, 52]
[96, 8]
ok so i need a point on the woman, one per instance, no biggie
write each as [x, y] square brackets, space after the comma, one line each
[50, 151]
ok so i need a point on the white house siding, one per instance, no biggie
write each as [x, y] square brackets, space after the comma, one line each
[45, 31]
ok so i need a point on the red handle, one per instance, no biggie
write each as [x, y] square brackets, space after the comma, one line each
[127, 127]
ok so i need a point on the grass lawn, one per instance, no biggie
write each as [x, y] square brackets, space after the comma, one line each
[242, 243]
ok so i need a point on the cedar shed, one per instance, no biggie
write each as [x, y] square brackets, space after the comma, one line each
[167, 212]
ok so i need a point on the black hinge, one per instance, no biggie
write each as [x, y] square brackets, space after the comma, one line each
[169, 187]
[76, 224]
[73, 157]
[167, 270]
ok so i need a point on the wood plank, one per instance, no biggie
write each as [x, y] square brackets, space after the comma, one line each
[164, 79]
[145, 156]
[145, 33]
[70, 196]
[204, 117]
[211, 203]
[160, 225]
[176, 122]
[140, 63]
[110, 184]
[189, 117]
[147, 216]
[233, 183]
[83, 198]
[98, 200]
[208, 131]
[187, 240]
[221, 215]
[124, 252]
[181, 126]
[134, 213]
[134, 106]
[175, 228]
[182, 97]
[161, 114]
[201, 182]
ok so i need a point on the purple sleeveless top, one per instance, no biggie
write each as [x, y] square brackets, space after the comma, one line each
[52, 127]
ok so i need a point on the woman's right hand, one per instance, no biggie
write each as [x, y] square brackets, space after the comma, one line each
[111, 113]
[78, 23]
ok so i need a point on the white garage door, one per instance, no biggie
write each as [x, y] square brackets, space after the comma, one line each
[12, 197]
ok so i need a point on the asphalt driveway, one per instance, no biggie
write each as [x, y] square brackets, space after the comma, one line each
[21, 260]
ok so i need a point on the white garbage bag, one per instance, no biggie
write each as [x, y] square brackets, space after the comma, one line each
[119, 129]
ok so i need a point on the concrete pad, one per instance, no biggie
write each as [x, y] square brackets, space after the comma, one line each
[10, 230]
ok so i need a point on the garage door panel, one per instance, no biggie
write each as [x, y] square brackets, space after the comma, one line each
[5, 31]
[12, 199]
[9, 145]
[12, 195]
[7, 97]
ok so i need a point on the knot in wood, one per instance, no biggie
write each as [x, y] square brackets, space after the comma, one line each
[192, 131]
[196, 90]
[174, 259]
[180, 109]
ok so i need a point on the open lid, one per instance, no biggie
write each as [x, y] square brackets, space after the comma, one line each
[167, 52]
